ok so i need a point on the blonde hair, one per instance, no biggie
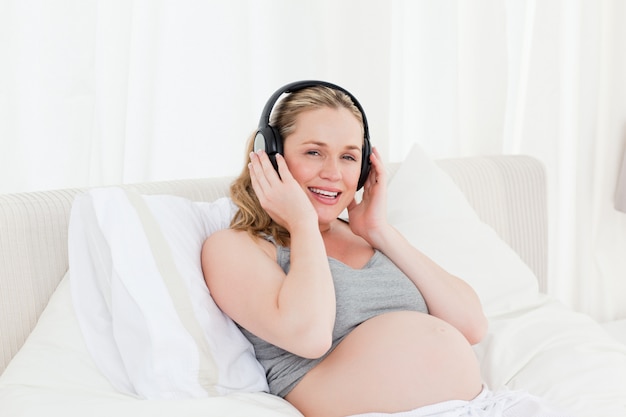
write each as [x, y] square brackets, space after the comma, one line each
[251, 217]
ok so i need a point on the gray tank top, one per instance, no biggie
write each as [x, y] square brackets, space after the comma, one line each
[379, 287]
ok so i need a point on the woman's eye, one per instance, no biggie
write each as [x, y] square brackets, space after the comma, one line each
[313, 153]
[349, 158]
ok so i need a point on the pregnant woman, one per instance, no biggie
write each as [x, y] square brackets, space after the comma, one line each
[347, 317]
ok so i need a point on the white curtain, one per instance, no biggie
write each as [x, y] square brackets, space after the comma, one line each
[545, 78]
[97, 92]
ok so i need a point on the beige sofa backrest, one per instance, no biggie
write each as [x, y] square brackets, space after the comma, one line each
[508, 193]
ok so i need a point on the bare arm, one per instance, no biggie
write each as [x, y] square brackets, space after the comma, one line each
[295, 311]
[447, 296]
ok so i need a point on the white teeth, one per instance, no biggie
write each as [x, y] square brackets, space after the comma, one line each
[324, 193]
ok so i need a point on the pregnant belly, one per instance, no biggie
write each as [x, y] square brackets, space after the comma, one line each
[394, 362]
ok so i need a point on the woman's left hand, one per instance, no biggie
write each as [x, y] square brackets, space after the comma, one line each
[369, 217]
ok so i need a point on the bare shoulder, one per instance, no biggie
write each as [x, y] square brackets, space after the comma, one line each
[228, 242]
[223, 237]
[237, 268]
[222, 249]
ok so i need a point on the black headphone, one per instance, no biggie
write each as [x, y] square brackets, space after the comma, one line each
[268, 138]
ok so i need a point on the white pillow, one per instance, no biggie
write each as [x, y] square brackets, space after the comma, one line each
[142, 304]
[429, 209]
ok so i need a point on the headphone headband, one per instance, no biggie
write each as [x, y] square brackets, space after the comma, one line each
[301, 85]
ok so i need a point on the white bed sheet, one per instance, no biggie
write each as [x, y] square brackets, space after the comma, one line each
[545, 349]
[558, 354]
[617, 329]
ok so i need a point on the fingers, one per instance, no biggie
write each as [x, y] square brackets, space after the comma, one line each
[378, 174]
[283, 170]
[262, 173]
[379, 168]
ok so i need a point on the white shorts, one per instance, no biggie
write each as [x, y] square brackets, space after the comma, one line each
[503, 403]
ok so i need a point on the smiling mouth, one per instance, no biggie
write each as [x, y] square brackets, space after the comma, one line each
[324, 193]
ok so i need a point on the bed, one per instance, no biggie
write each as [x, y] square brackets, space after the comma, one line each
[76, 342]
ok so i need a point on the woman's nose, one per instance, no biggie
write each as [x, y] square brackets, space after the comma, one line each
[330, 170]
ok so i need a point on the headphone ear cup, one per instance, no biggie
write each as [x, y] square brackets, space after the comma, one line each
[269, 140]
[365, 163]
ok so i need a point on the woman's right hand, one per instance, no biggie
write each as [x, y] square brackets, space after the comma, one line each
[280, 196]
[295, 310]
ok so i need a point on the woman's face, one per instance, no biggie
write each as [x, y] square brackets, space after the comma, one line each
[323, 154]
